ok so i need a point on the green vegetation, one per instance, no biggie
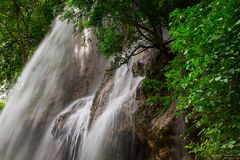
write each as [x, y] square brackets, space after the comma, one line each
[2, 103]
[151, 86]
[201, 59]
[23, 25]
[152, 89]
[205, 74]
[119, 24]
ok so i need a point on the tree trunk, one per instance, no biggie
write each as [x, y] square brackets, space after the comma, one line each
[20, 38]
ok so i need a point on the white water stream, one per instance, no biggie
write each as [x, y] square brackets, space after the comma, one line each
[47, 116]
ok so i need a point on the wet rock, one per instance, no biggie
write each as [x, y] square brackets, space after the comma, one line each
[142, 62]
[163, 140]
[101, 98]
[160, 129]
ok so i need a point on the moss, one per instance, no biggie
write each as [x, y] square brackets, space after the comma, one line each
[2, 104]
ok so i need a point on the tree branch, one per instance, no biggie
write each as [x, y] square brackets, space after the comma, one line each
[124, 60]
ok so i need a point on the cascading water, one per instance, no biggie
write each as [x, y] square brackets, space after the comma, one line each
[48, 114]
[104, 139]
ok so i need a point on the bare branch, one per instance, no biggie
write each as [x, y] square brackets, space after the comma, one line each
[127, 58]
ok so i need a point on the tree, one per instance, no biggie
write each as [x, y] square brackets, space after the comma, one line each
[22, 26]
[127, 27]
[204, 76]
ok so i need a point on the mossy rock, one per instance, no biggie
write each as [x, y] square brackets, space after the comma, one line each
[2, 104]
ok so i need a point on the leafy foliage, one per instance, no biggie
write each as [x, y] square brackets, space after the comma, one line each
[124, 27]
[22, 26]
[2, 103]
[153, 89]
[151, 85]
[205, 73]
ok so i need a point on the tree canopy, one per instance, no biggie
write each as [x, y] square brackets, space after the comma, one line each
[23, 25]
[119, 24]
[199, 40]
[205, 74]
[204, 48]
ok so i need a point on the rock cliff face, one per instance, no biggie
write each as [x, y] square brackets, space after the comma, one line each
[65, 111]
[156, 132]
[159, 128]
[143, 132]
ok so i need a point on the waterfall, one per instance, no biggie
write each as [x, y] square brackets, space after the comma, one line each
[104, 138]
[49, 114]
